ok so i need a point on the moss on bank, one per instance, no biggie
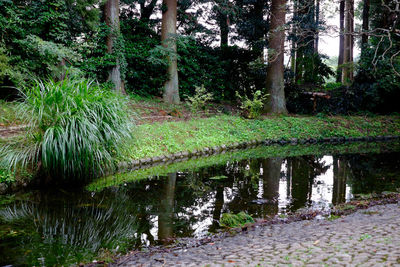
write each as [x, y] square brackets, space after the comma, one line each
[171, 137]
[194, 164]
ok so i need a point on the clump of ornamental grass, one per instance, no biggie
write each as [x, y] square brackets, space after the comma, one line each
[75, 129]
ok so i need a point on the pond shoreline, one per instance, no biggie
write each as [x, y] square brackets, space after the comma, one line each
[164, 143]
[153, 254]
[185, 155]
[125, 166]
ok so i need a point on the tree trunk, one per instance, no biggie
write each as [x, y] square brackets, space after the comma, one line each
[276, 102]
[365, 26]
[168, 32]
[347, 70]
[293, 52]
[316, 40]
[341, 42]
[259, 30]
[351, 19]
[111, 12]
[62, 70]
[224, 28]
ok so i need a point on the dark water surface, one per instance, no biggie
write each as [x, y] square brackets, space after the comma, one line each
[56, 226]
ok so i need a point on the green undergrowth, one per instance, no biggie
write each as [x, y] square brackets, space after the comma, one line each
[6, 176]
[221, 159]
[8, 114]
[230, 220]
[170, 137]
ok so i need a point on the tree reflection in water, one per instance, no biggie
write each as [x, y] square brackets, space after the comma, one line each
[63, 228]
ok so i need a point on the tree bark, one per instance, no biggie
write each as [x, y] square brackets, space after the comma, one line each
[61, 66]
[365, 26]
[316, 40]
[224, 28]
[347, 70]
[259, 30]
[293, 52]
[341, 42]
[111, 12]
[168, 32]
[276, 102]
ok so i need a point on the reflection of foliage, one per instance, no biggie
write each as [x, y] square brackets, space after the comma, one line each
[67, 232]
[374, 173]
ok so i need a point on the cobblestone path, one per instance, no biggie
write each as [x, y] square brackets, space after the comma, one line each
[366, 238]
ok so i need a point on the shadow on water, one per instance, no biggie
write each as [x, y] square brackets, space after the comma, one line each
[56, 227]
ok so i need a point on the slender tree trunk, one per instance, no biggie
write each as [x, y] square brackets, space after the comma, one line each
[111, 12]
[259, 28]
[294, 43]
[365, 26]
[347, 70]
[224, 28]
[276, 102]
[61, 66]
[316, 40]
[351, 21]
[341, 42]
[168, 38]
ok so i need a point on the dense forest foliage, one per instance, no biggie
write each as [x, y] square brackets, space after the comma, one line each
[227, 46]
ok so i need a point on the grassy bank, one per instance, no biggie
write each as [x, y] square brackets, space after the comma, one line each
[164, 138]
[158, 139]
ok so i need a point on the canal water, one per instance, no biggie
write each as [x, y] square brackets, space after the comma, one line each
[64, 226]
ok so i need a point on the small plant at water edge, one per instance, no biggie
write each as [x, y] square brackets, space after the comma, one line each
[75, 129]
[235, 220]
[200, 98]
[252, 108]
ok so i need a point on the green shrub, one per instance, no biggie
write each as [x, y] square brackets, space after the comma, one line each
[75, 129]
[252, 107]
[6, 176]
[200, 98]
[235, 220]
[331, 86]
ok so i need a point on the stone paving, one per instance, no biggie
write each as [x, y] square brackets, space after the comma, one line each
[366, 238]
